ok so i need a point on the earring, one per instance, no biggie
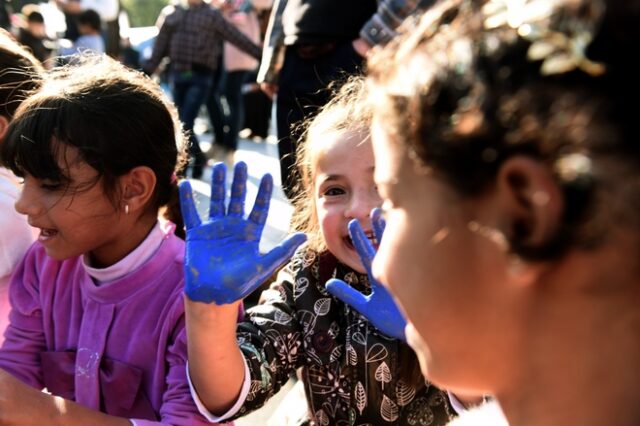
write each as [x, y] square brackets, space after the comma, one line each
[126, 209]
[515, 265]
[520, 272]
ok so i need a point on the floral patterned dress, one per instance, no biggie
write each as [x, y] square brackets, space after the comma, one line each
[351, 371]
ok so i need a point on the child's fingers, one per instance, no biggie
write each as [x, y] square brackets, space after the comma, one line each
[260, 209]
[218, 176]
[378, 223]
[346, 293]
[238, 190]
[188, 208]
[362, 244]
[281, 253]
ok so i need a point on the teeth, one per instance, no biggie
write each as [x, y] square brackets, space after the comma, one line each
[47, 233]
[371, 237]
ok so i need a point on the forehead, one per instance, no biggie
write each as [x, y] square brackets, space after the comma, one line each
[67, 156]
[340, 149]
[71, 163]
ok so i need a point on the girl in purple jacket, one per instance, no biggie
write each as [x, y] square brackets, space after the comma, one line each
[97, 315]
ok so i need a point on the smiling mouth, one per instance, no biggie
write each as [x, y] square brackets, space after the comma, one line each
[370, 236]
[46, 234]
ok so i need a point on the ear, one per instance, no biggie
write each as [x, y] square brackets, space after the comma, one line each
[137, 188]
[532, 199]
[531, 205]
[4, 126]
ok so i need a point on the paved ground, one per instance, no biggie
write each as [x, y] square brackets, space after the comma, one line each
[261, 157]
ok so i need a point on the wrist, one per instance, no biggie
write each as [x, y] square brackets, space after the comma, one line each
[211, 313]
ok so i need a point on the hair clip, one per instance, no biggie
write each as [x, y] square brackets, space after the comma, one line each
[560, 51]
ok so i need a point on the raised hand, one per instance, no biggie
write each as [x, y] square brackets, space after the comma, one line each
[378, 307]
[223, 263]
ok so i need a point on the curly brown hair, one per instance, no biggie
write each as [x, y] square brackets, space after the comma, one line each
[473, 83]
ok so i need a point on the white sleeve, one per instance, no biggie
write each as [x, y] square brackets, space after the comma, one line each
[456, 404]
[15, 233]
[459, 407]
[244, 391]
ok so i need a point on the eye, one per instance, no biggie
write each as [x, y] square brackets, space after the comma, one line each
[333, 192]
[48, 185]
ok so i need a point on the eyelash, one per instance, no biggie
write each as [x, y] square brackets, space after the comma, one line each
[328, 191]
[51, 186]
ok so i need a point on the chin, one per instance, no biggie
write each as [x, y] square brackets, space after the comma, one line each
[354, 263]
[61, 255]
[54, 254]
[420, 347]
[350, 258]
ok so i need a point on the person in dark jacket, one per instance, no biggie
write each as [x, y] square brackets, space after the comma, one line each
[192, 39]
[312, 44]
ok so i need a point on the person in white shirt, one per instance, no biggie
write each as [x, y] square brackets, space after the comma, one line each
[15, 233]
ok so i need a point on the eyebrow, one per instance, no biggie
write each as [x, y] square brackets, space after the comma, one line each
[336, 176]
[329, 178]
[388, 182]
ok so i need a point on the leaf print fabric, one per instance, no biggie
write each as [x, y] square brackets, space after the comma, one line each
[351, 372]
[404, 393]
[383, 375]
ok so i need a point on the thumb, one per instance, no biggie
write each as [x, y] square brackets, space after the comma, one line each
[346, 293]
[281, 253]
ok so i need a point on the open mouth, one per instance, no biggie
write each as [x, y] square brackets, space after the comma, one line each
[46, 234]
[370, 236]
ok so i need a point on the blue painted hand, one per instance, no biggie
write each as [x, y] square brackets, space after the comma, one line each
[378, 307]
[223, 263]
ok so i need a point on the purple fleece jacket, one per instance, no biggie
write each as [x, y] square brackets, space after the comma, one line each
[119, 348]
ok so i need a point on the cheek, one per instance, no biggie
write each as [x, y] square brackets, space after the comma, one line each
[329, 223]
[417, 267]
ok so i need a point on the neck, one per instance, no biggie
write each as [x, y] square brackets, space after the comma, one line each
[134, 232]
[580, 361]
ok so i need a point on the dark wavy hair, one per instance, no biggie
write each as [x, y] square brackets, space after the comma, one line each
[472, 83]
[117, 118]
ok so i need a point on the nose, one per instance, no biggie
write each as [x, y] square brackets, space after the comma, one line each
[28, 203]
[360, 205]
[376, 268]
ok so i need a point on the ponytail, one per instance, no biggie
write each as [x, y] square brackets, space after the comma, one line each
[172, 210]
